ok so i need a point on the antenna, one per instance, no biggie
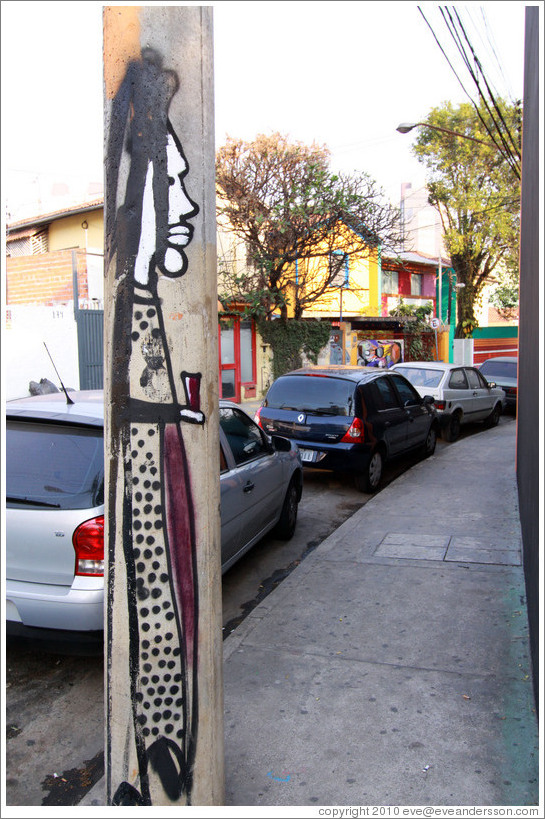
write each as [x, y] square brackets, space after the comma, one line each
[68, 399]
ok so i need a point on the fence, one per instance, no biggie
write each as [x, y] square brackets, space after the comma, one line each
[489, 342]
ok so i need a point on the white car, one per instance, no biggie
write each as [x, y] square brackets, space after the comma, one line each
[461, 394]
[55, 510]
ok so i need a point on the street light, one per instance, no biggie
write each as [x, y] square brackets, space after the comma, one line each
[405, 127]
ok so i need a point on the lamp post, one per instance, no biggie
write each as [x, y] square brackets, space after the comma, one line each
[405, 127]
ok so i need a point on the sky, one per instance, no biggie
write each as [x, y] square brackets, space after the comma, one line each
[343, 74]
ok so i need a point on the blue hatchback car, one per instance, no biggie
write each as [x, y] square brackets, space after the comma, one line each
[350, 418]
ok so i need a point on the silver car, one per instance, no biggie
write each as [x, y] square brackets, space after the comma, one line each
[55, 510]
[461, 394]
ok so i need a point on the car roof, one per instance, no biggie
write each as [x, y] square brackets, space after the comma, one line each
[436, 365]
[512, 358]
[346, 371]
[88, 407]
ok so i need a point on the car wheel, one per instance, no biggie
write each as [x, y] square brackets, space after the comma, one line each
[494, 417]
[452, 432]
[285, 527]
[431, 441]
[369, 480]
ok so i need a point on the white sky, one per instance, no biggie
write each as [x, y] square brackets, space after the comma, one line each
[340, 73]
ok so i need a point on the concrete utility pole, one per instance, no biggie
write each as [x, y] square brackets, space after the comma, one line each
[164, 692]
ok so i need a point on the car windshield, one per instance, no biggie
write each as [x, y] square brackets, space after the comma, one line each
[499, 369]
[56, 466]
[321, 395]
[421, 376]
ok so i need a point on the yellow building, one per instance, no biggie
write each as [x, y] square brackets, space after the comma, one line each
[340, 281]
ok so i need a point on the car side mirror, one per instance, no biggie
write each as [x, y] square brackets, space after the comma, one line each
[280, 444]
[428, 399]
[491, 385]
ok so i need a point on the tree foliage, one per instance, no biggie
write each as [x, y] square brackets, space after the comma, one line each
[505, 296]
[289, 339]
[418, 334]
[282, 200]
[477, 195]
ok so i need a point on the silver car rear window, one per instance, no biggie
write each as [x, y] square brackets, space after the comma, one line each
[311, 393]
[53, 465]
[421, 376]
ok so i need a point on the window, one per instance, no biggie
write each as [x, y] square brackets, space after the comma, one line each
[54, 465]
[246, 352]
[405, 390]
[416, 284]
[223, 460]
[338, 269]
[390, 281]
[473, 378]
[476, 380]
[421, 377]
[458, 381]
[387, 397]
[27, 243]
[244, 437]
[499, 369]
[313, 394]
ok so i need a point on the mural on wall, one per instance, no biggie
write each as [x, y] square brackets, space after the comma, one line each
[379, 352]
[149, 230]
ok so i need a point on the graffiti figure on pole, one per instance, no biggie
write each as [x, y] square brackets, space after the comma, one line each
[150, 216]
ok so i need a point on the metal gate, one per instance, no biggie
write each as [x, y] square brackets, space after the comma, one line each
[90, 328]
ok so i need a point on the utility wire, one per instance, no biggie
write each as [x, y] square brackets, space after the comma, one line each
[512, 158]
[491, 95]
[497, 131]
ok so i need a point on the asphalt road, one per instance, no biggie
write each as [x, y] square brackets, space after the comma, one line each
[54, 703]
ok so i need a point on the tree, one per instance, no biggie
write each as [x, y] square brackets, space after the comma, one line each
[478, 198]
[418, 334]
[505, 296]
[282, 200]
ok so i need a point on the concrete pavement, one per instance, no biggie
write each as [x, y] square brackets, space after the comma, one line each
[392, 666]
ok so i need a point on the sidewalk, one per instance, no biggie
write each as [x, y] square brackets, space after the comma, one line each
[392, 666]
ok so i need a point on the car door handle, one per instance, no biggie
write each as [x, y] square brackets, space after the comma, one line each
[248, 487]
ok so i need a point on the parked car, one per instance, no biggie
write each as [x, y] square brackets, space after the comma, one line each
[349, 418]
[462, 395]
[55, 510]
[503, 370]
[261, 482]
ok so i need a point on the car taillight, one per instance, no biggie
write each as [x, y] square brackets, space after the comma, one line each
[440, 405]
[354, 433]
[88, 541]
[257, 417]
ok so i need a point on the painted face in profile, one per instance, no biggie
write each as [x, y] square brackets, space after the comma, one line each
[166, 248]
[180, 209]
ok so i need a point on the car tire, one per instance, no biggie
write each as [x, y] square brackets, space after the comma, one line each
[369, 480]
[430, 442]
[285, 528]
[452, 431]
[494, 417]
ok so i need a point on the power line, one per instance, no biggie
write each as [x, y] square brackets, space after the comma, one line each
[500, 133]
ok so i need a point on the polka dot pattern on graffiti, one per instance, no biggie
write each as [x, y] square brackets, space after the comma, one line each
[161, 695]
